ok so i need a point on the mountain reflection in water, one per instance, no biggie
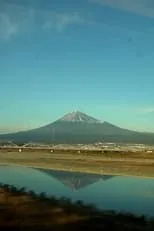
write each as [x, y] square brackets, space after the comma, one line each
[121, 193]
[76, 180]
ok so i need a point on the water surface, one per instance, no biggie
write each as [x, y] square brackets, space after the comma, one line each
[130, 194]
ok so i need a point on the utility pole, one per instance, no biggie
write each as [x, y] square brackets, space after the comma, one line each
[53, 135]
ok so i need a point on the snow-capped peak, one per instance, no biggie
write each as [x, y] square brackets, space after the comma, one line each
[78, 116]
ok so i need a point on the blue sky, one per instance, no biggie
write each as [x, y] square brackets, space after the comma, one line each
[95, 56]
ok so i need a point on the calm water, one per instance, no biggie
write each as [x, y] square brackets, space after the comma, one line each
[129, 194]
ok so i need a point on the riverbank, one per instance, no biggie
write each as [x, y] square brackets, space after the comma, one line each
[110, 165]
[29, 211]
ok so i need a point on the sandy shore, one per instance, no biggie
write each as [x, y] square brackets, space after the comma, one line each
[80, 163]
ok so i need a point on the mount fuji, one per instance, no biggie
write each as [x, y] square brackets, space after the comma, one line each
[77, 127]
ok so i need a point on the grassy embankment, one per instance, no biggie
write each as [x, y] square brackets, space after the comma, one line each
[114, 163]
[29, 211]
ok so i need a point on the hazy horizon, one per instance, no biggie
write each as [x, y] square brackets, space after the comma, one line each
[95, 56]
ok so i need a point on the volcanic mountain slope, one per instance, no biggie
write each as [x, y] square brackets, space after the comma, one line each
[77, 127]
[75, 180]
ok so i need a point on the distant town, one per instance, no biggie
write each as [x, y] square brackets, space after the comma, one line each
[101, 146]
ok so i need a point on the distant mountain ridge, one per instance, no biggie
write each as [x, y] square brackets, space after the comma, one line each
[77, 127]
